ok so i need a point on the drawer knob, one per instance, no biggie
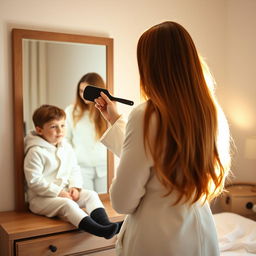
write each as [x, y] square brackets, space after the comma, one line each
[53, 248]
[249, 205]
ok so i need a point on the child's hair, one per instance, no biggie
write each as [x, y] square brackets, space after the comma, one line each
[81, 107]
[47, 113]
[185, 153]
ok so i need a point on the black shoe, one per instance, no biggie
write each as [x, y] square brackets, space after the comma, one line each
[89, 225]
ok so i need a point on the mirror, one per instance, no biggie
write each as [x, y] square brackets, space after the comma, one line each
[46, 69]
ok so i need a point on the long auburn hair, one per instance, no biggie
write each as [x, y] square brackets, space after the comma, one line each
[80, 106]
[184, 149]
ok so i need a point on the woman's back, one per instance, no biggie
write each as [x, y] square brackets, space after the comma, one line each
[154, 225]
[175, 156]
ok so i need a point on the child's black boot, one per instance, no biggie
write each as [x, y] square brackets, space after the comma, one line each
[101, 217]
[89, 225]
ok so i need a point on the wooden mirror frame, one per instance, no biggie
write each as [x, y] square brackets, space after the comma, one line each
[17, 36]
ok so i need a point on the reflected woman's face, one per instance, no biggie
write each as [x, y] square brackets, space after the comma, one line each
[81, 92]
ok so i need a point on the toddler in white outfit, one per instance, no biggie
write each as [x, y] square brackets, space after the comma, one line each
[54, 180]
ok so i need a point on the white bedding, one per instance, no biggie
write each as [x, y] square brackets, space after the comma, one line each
[236, 234]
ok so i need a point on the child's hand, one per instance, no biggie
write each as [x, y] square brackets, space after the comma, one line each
[74, 193]
[64, 193]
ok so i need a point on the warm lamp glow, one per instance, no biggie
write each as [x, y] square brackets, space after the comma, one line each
[241, 113]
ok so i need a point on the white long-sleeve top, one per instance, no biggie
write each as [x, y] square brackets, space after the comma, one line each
[48, 168]
[153, 226]
[89, 151]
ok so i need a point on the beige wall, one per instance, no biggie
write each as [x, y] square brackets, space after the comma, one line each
[239, 93]
[209, 22]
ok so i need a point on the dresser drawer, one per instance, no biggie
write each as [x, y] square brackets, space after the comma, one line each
[68, 243]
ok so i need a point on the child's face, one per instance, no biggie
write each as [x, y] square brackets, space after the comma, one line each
[53, 131]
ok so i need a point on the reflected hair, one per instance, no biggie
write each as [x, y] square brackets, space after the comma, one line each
[81, 107]
[47, 113]
[184, 147]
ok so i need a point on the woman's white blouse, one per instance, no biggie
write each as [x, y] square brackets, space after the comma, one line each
[154, 226]
[89, 151]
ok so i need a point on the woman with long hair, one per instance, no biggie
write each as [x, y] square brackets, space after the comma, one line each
[85, 125]
[174, 154]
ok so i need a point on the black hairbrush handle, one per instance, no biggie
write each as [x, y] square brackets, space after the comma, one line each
[92, 92]
[128, 102]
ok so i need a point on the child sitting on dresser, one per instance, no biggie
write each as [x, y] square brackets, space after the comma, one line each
[54, 180]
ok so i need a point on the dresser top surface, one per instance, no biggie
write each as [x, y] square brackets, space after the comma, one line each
[23, 224]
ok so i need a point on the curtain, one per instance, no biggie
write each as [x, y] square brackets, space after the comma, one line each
[34, 79]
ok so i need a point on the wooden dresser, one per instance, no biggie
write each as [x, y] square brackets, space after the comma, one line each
[27, 234]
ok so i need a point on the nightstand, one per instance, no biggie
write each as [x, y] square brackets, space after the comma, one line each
[240, 199]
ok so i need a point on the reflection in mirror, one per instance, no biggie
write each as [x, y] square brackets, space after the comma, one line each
[50, 74]
[47, 67]
[85, 126]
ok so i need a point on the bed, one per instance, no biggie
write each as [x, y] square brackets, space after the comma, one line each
[236, 234]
